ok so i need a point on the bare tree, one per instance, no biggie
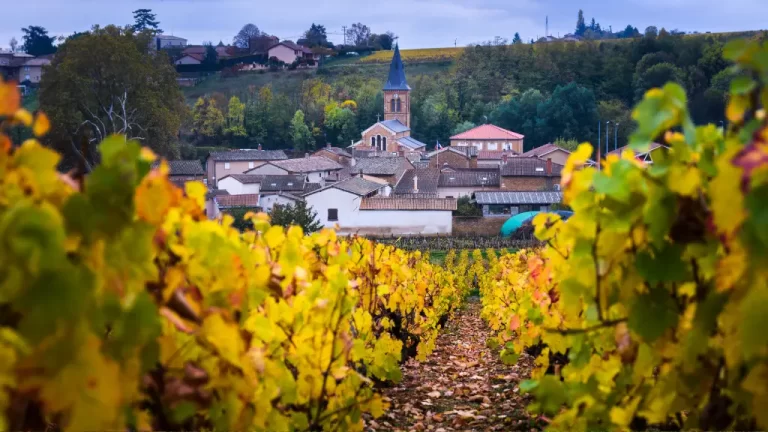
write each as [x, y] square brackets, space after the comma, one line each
[14, 44]
[243, 38]
[359, 34]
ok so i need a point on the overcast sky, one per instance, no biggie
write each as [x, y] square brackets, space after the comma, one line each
[418, 23]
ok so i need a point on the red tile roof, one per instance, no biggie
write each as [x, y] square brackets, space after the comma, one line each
[408, 204]
[246, 200]
[488, 132]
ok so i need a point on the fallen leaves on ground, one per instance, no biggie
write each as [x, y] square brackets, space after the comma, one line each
[463, 386]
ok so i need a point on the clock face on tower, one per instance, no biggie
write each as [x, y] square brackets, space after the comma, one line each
[396, 96]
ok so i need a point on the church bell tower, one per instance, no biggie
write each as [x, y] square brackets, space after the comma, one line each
[397, 93]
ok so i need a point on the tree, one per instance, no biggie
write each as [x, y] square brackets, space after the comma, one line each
[300, 133]
[358, 34]
[108, 82]
[145, 20]
[14, 44]
[207, 119]
[464, 207]
[581, 26]
[651, 32]
[316, 36]
[37, 42]
[462, 127]
[656, 76]
[385, 40]
[566, 144]
[517, 40]
[571, 112]
[340, 123]
[236, 118]
[663, 33]
[211, 56]
[298, 214]
[243, 38]
[593, 25]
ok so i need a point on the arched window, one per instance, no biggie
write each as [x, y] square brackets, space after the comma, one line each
[373, 141]
[392, 105]
[398, 105]
[384, 144]
[378, 142]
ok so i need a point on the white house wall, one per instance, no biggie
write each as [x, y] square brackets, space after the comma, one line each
[456, 192]
[234, 187]
[266, 202]
[283, 53]
[346, 203]
[375, 222]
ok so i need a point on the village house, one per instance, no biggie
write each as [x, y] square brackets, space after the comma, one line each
[530, 174]
[268, 200]
[356, 206]
[316, 169]
[289, 52]
[418, 183]
[509, 203]
[190, 59]
[465, 182]
[162, 41]
[489, 137]
[240, 184]
[220, 164]
[221, 203]
[453, 157]
[22, 67]
[393, 134]
[389, 169]
[492, 158]
[558, 154]
[337, 154]
[182, 171]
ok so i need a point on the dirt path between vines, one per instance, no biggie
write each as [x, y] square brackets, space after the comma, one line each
[463, 386]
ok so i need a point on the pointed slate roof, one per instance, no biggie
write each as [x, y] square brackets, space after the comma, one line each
[396, 79]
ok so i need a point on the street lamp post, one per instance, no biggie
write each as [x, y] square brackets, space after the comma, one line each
[616, 137]
[607, 137]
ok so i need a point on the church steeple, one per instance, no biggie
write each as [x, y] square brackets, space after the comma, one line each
[397, 93]
[396, 79]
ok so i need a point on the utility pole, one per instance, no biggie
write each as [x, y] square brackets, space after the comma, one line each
[344, 30]
[455, 41]
[599, 144]
[607, 137]
[616, 137]
[546, 27]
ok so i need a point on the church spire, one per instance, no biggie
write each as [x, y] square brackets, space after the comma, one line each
[396, 79]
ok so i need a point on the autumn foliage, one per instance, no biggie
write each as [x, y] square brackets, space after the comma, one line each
[123, 306]
[653, 294]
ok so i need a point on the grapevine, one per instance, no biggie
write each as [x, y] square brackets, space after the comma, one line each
[654, 291]
[123, 306]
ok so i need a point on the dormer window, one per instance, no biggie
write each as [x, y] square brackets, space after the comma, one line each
[539, 169]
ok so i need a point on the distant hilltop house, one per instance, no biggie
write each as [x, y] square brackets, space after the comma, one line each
[195, 54]
[162, 41]
[22, 67]
[223, 163]
[289, 52]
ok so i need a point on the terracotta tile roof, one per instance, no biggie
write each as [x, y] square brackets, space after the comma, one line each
[488, 132]
[465, 151]
[427, 179]
[494, 154]
[470, 179]
[308, 164]
[248, 155]
[245, 200]
[542, 150]
[379, 165]
[528, 167]
[447, 204]
[336, 150]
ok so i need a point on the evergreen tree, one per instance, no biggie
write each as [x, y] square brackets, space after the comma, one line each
[297, 214]
[581, 27]
[145, 20]
[211, 56]
[36, 41]
[517, 39]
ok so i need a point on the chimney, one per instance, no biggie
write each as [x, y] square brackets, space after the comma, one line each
[360, 174]
[504, 158]
[306, 155]
[259, 147]
[549, 166]
[328, 145]
[415, 184]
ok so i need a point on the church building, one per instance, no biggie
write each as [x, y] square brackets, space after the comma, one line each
[393, 134]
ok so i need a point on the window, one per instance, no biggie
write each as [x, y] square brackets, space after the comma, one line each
[392, 105]
[250, 164]
[226, 165]
[373, 141]
[539, 169]
[333, 215]
[399, 108]
[383, 143]
[493, 146]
